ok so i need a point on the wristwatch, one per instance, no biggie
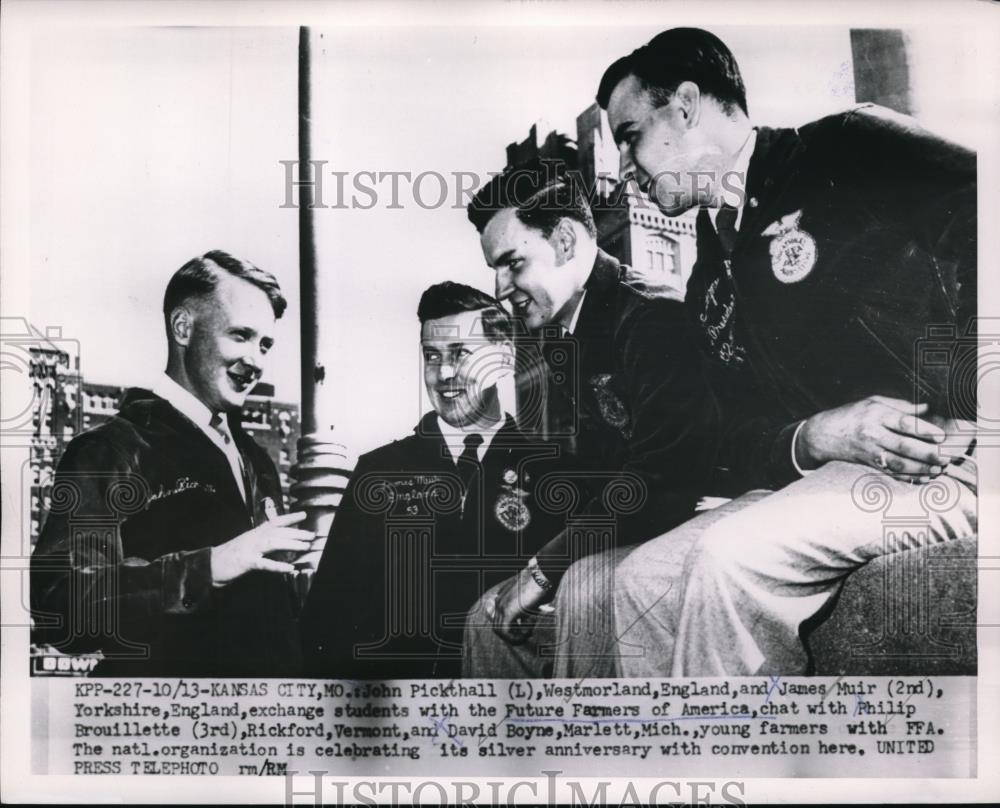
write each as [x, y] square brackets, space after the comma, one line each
[538, 576]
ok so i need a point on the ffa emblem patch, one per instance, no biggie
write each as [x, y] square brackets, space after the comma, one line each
[510, 510]
[793, 250]
[611, 406]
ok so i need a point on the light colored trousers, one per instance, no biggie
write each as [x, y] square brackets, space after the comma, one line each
[727, 592]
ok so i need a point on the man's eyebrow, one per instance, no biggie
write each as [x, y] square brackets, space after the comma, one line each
[620, 130]
[451, 346]
[505, 257]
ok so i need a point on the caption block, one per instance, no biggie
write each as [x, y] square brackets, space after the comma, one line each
[770, 726]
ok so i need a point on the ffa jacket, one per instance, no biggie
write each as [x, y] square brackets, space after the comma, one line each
[123, 564]
[634, 413]
[855, 259]
[408, 555]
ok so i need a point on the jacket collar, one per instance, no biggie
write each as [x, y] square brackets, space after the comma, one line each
[771, 168]
[429, 431]
[147, 409]
[183, 401]
[595, 320]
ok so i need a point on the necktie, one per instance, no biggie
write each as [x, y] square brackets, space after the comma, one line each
[221, 426]
[718, 318]
[725, 226]
[468, 461]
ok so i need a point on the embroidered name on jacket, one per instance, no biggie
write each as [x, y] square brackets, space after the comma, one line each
[717, 318]
[183, 484]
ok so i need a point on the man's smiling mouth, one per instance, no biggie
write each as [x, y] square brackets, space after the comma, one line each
[520, 306]
[242, 379]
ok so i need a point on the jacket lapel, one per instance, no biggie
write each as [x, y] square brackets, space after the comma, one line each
[769, 171]
[595, 328]
[158, 416]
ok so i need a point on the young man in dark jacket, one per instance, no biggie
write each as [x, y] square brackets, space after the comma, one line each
[158, 550]
[630, 402]
[825, 255]
[431, 521]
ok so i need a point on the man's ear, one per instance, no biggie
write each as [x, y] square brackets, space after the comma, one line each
[687, 101]
[181, 321]
[564, 239]
[505, 352]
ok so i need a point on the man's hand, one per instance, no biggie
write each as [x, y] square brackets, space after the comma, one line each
[248, 550]
[884, 433]
[516, 607]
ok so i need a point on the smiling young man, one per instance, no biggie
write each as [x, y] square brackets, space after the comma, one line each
[157, 548]
[635, 410]
[825, 253]
[429, 522]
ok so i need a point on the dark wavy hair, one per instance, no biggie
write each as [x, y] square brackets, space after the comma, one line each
[448, 298]
[542, 197]
[199, 277]
[675, 56]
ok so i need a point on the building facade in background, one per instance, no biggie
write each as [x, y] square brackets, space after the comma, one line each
[629, 226]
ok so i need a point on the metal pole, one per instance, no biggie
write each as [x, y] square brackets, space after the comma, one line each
[308, 326]
[322, 465]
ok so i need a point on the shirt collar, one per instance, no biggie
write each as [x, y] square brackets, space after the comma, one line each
[183, 401]
[740, 168]
[454, 437]
[576, 314]
[189, 406]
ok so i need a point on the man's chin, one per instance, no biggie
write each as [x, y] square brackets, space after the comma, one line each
[234, 400]
[671, 210]
[454, 421]
[673, 203]
[464, 417]
[536, 324]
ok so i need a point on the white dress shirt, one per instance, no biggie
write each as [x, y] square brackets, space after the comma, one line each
[201, 416]
[742, 168]
[576, 314]
[454, 438]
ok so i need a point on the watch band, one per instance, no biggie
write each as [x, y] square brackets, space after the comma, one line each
[538, 576]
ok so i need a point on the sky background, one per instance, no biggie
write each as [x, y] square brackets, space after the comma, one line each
[151, 145]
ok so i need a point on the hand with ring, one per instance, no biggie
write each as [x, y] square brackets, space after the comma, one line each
[888, 434]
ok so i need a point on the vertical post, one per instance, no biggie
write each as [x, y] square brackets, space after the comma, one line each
[308, 322]
[322, 465]
[881, 70]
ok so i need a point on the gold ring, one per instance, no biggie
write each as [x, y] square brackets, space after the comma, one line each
[883, 461]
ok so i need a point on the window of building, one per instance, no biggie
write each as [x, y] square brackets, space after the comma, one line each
[660, 254]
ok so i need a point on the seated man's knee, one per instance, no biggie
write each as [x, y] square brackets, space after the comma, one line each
[481, 613]
[639, 568]
[587, 583]
[727, 545]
